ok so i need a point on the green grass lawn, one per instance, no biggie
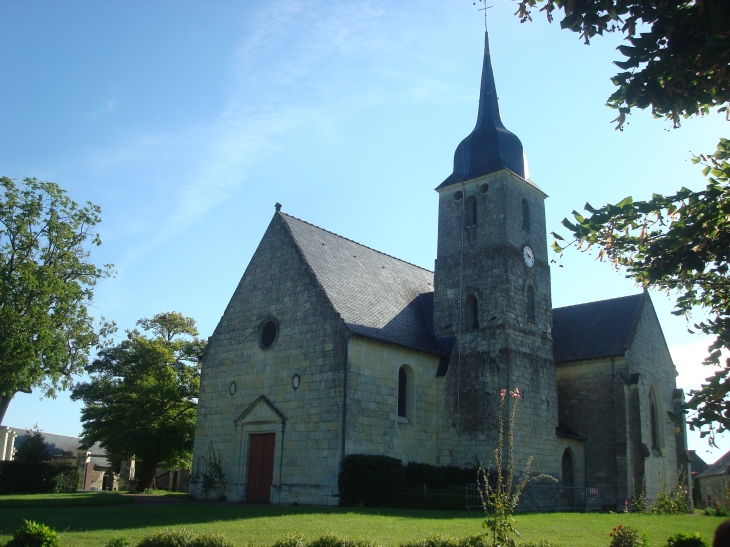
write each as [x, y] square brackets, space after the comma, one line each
[91, 519]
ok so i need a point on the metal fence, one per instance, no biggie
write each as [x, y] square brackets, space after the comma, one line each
[546, 498]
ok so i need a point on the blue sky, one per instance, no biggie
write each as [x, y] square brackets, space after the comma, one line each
[187, 121]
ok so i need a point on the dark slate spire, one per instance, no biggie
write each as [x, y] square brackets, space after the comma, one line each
[490, 147]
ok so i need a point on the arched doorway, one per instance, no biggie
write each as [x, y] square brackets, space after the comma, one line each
[568, 476]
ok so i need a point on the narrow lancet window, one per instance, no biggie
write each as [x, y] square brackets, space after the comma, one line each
[530, 303]
[525, 214]
[470, 211]
[472, 312]
[402, 392]
[654, 421]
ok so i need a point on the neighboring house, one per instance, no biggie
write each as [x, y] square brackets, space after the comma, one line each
[329, 348]
[96, 470]
[715, 481]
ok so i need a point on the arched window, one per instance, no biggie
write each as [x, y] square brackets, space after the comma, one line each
[568, 478]
[471, 309]
[470, 211]
[525, 214]
[530, 303]
[402, 392]
[653, 416]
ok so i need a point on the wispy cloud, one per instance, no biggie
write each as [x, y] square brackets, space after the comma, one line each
[276, 91]
[108, 107]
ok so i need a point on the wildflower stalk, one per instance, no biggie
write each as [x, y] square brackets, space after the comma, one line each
[500, 501]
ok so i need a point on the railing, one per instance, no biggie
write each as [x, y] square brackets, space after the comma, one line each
[545, 498]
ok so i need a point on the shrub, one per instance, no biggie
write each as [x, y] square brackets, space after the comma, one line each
[445, 541]
[367, 479]
[717, 511]
[34, 534]
[334, 540]
[17, 477]
[183, 538]
[686, 540]
[117, 541]
[540, 543]
[290, 540]
[625, 536]
[66, 479]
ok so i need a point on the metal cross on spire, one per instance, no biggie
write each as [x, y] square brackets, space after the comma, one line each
[484, 9]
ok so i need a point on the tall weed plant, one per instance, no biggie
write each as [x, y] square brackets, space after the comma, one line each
[499, 500]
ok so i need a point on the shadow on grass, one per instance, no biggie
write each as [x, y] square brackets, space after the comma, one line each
[77, 499]
[141, 515]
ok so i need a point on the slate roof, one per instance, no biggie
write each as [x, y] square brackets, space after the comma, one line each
[490, 147]
[62, 445]
[377, 296]
[720, 467]
[595, 329]
[698, 464]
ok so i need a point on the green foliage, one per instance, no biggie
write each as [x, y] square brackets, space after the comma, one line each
[625, 536]
[336, 540]
[446, 541]
[46, 284]
[183, 538]
[377, 481]
[32, 447]
[17, 477]
[290, 540]
[541, 543]
[213, 477]
[66, 479]
[686, 540]
[639, 504]
[499, 500]
[677, 243]
[367, 479]
[117, 541]
[141, 400]
[677, 53]
[33, 534]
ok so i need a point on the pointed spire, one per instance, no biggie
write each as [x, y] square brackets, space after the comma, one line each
[490, 147]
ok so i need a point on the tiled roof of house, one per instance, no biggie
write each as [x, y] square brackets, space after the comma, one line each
[720, 467]
[595, 329]
[377, 296]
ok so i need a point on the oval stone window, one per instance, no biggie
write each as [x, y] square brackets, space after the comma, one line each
[268, 333]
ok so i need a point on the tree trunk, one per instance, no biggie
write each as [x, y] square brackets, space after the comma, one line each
[4, 404]
[147, 468]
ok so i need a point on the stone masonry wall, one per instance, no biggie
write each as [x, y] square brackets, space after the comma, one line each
[649, 357]
[237, 372]
[507, 350]
[373, 424]
[587, 405]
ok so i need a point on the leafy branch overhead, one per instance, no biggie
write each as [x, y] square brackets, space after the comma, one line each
[677, 56]
[677, 243]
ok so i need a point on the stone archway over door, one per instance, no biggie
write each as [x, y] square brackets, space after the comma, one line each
[260, 467]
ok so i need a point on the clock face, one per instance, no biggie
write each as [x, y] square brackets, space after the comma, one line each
[529, 256]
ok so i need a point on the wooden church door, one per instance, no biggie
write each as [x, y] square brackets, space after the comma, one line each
[260, 467]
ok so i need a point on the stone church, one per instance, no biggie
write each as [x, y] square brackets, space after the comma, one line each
[329, 348]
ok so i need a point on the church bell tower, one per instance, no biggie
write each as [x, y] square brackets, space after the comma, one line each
[492, 292]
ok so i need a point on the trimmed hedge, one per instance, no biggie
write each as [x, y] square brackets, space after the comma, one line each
[37, 478]
[377, 481]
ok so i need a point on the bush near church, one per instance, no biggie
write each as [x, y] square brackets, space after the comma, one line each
[18, 477]
[377, 481]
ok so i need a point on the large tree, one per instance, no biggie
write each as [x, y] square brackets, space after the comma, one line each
[141, 400]
[676, 63]
[46, 285]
